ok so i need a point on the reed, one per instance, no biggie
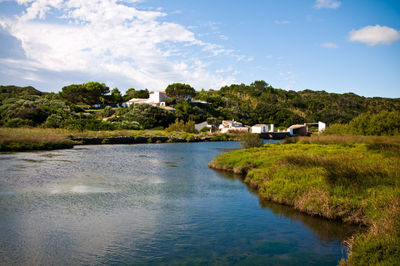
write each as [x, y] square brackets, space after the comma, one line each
[21, 139]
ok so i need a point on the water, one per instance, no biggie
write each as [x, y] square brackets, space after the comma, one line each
[148, 204]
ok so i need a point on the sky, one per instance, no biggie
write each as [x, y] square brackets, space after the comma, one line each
[333, 45]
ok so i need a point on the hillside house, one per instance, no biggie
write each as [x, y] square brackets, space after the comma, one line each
[156, 98]
[232, 126]
[259, 128]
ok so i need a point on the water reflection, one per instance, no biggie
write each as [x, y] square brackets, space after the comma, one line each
[147, 204]
[326, 230]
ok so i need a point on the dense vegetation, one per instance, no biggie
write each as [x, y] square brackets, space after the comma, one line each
[249, 104]
[369, 124]
[353, 179]
[261, 103]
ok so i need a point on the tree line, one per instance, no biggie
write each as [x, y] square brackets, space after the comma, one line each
[250, 104]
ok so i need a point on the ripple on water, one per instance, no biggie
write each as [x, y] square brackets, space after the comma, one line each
[80, 189]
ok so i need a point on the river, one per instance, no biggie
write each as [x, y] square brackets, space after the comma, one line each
[148, 204]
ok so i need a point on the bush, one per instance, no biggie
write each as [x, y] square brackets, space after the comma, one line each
[18, 122]
[250, 140]
[53, 121]
[205, 129]
[149, 116]
[108, 111]
[181, 126]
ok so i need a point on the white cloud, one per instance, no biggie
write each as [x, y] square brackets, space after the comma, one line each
[373, 35]
[329, 45]
[332, 4]
[108, 37]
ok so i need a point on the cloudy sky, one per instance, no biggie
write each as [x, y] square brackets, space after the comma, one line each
[332, 45]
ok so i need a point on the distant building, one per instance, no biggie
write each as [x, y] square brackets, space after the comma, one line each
[156, 98]
[298, 130]
[303, 130]
[259, 128]
[262, 128]
[232, 126]
[321, 126]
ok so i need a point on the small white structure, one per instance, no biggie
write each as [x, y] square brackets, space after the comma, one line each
[156, 98]
[232, 126]
[321, 126]
[271, 128]
[259, 128]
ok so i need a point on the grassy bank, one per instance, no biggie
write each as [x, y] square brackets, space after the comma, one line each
[25, 139]
[352, 179]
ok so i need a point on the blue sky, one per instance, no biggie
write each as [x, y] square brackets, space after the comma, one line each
[332, 45]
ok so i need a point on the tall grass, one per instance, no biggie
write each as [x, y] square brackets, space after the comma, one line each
[350, 178]
[20, 139]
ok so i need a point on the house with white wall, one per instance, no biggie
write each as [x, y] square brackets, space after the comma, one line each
[232, 126]
[259, 128]
[156, 98]
[262, 128]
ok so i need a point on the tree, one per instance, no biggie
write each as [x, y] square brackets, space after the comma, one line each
[116, 96]
[88, 93]
[94, 90]
[73, 93]
[132, 93]
[180, 91]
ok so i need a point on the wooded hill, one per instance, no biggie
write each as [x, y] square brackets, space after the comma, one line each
[250, 104]
[261, 103]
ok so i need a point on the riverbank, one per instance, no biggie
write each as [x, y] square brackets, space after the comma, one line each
[26, 139]
[352, 179]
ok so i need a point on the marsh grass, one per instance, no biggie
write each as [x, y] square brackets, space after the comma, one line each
[21, 139]
[340, 169]
[349, 178]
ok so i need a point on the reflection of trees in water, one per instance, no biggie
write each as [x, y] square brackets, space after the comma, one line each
[326, 230]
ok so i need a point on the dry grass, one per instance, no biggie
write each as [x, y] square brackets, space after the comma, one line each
[20, 139]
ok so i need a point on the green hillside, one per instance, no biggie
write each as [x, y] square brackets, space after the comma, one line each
[261, 103]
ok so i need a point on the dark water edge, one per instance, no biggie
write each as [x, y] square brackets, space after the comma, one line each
[149, 204]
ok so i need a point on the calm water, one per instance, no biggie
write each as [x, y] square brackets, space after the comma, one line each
[148, 204]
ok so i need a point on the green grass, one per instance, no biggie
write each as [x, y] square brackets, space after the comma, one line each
[352, 179]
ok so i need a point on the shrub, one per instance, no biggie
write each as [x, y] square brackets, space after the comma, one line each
[108, 111]
[182, 126]
[18, 122]
[205, 129]
[53, 121]
[250, 140]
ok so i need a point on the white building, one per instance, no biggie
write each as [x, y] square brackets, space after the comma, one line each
[156, 98]
[259, 128]
[262, 128]
[321, 126]
[232, 126]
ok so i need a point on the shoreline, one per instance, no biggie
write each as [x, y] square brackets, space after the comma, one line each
[352, 180]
